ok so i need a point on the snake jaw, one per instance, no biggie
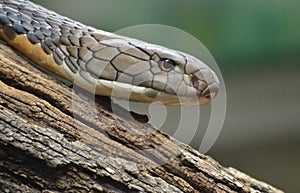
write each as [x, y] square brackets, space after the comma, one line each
[104, 63]
[206, 82]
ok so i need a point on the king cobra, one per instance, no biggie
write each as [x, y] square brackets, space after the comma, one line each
[102, 62]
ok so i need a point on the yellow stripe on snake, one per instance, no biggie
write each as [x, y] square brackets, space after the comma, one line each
[114, 64]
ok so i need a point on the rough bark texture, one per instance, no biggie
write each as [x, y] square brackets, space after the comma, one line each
[44, 149]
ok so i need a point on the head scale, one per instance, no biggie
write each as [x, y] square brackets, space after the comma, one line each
[155, 73]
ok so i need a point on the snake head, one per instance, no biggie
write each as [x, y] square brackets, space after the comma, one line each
[165, 75]
[116, 65]
[187, 77]
[138, 71]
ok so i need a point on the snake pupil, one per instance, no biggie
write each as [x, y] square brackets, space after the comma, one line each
[167, 65]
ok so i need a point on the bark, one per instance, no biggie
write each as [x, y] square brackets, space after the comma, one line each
[52, 141]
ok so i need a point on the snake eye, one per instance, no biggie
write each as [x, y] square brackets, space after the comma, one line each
[166, 65]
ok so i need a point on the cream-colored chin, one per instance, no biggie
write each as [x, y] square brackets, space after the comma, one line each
[134, 93]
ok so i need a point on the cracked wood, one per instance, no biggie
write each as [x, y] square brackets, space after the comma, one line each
[43, 148]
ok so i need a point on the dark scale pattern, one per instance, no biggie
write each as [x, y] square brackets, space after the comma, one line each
[70, 65]
[27, 25]
[76, 45]
[68, 41]
[45, 47]
[4, 19]
[97, 54]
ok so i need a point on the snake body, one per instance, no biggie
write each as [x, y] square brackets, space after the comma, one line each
[102, 62]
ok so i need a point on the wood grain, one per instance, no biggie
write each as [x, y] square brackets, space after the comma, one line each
[56, 140]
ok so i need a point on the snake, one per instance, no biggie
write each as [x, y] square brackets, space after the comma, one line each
[105, 63]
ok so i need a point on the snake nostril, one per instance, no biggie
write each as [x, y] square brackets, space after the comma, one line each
[198, 83]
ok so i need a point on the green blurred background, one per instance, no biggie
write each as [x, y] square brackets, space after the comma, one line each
[256, 45]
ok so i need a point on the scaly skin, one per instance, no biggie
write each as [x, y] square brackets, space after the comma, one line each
[102, 62]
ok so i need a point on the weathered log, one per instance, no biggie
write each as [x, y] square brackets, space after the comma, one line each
[45, 149]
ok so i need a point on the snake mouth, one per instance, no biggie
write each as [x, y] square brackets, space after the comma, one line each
[209, 93]
[199, 92]
[207, 86]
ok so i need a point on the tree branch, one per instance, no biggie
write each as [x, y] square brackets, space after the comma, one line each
[43, 148]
